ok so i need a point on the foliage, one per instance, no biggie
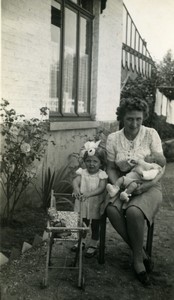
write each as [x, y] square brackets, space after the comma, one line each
[24, 142]
[165, 75]
[47, 185]
[165, 82]
[63, 181]
[58, 180]
[165, 70]
[165, 130]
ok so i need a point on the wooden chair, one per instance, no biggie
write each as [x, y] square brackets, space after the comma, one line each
[101, 258]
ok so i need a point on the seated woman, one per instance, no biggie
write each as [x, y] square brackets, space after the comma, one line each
[134, 141]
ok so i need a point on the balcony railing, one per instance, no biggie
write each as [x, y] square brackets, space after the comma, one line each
[135, 55]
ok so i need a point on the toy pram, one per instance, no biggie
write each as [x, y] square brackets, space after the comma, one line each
[62, 227]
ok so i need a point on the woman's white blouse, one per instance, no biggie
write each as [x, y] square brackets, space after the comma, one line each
[120, 149]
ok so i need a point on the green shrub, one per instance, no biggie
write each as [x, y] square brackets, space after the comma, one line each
[145, 88]
[24, 142]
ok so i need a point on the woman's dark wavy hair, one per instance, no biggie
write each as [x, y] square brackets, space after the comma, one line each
[101, 154]
[131, 104]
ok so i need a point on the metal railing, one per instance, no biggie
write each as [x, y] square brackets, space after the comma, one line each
[135, 55]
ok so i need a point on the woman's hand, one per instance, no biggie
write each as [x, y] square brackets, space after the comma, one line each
[142, 187]
[146, 185]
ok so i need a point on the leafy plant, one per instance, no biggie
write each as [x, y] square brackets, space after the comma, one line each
[24, 141]
[47, 185]
[63, 180]
[60, 181]
[165, 71]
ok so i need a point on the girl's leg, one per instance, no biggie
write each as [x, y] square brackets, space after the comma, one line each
[135, 229]
[86, 221]
[95, 227]
[92, 249]
[75, 247]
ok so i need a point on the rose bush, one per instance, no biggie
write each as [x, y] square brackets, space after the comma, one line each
[23, 142]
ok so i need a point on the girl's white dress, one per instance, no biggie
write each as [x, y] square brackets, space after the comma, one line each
[90, 208]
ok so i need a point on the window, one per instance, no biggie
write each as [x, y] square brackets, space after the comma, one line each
[71, 47]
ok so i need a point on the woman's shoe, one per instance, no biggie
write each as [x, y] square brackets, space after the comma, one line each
[143, 278]
[149, 264]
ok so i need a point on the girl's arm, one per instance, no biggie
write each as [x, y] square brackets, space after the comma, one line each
[148, 184]
[76, 186]
[112, 172]
[97, 191]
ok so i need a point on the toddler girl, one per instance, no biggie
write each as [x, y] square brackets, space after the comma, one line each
[88, 187]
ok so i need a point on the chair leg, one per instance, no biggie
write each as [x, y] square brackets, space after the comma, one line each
[101, 258]
[149, 239]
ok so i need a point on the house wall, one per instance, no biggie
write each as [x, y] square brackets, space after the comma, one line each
[109, 60]
[26, 54]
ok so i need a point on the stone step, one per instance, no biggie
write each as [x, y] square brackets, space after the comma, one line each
[26, 246]
[3, 259]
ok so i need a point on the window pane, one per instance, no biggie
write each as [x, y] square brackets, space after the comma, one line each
[83, 67]
[69, 73]
[55, 60]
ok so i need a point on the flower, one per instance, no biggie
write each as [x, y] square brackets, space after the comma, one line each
[25, 148]
[14, 130]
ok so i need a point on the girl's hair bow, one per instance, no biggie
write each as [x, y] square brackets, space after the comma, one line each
[90, 147]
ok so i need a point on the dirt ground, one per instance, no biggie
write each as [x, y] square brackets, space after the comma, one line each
[21, 278]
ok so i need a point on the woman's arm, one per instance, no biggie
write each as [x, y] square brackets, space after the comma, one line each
[156, 157]
[143, 187]
[97, 191]
[112, 172]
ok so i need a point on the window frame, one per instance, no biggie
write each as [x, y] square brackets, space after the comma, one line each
[81, 13]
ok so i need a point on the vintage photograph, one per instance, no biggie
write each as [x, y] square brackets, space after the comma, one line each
[87, 150]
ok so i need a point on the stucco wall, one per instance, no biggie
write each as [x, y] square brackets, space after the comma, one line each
[109, 60]
[26, 54]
